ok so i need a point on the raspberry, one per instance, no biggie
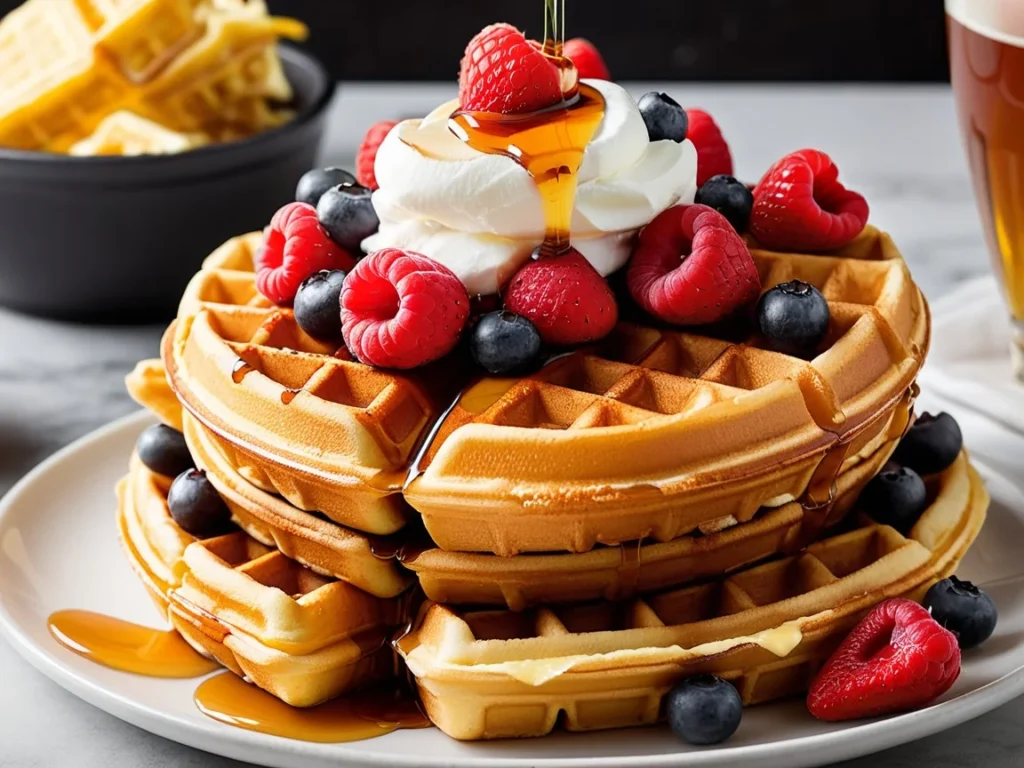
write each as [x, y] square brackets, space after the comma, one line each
[897, 659]
[586, 57]
[295, 246]
[367, 155]
[691, 267]
[713, 155]
[502, 72]
[401, 309]
[565, 298]
[800, 205]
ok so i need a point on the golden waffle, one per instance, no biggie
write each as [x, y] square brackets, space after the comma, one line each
[240, 365]
[53, 89]
[125, 133]
[302, 637]
[324, 547]
[141, 36]
[189, 65]
[486, 674]
[226, 77]
[321, 545]
[651, 433]
[631, 568]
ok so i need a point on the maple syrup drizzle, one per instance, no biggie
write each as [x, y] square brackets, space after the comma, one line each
[548, 144]
[361, 715]
[126, 646]
[240, 370]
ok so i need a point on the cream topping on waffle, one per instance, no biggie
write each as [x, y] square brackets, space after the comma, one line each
[781, 641]
[480, 215]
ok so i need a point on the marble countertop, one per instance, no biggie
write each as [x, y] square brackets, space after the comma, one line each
[898, 145]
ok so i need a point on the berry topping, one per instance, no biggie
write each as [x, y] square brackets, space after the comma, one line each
[800, 205]
[565, 298]
[729, 197]
[664, 117]
[503, 72]
[163, 450]
[294, 247]
[897, 659]
[402, 310]
[896, 496]
[314, 183]
[964, 610]
[713, 155]
[348, 215]
[794, 317]
[367, 155]
[931, 445]
[504, 343]
[704, 710]
[196, 506]
[586, 57]
[318, 304]
[691, 267]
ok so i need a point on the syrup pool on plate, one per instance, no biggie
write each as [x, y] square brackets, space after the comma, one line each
[127, 647]
[363, 715]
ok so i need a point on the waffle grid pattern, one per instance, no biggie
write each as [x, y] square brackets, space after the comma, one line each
[719, 410]
[824, 590]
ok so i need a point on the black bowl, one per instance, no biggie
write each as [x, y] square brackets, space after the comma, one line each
[115, 239]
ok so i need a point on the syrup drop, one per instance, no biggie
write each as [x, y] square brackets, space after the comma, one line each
[127, 647]
[361, 715]
[549, 145]
[239, 370]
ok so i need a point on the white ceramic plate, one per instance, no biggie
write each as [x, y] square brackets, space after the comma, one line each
[58, 549]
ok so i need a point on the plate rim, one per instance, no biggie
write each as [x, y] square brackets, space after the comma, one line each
[801, 752]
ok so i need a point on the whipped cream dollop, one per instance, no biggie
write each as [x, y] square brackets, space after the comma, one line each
[481, 215]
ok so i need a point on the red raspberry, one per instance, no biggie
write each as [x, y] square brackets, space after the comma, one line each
[713, 155]
[401, 309]
[502, 72]
[691, 267]
[800, 205]
[587, 58]
[367, 154]
[565, 298]
[295, 246]
[897, 659]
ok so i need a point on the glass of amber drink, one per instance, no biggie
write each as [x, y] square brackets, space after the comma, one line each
[986, 52]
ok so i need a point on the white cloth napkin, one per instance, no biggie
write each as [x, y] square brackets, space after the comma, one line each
[969, 362]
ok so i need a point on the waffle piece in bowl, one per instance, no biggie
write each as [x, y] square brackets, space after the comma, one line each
[631, 568]
[485, 674]
[301, 636]
[126, 134]
[650, 433]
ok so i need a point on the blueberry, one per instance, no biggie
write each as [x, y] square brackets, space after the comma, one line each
[163, 451]
[504, 342]
[704, 710]
[196, 506]
[794, 317]
[314, 183]
[318, 304]
[664, 117]
[896, 496]
[963, 609]
[931, 445]
[729, 197]
[347, 213]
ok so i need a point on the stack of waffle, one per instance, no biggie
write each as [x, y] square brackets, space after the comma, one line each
[187, 71]
[653, 506]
